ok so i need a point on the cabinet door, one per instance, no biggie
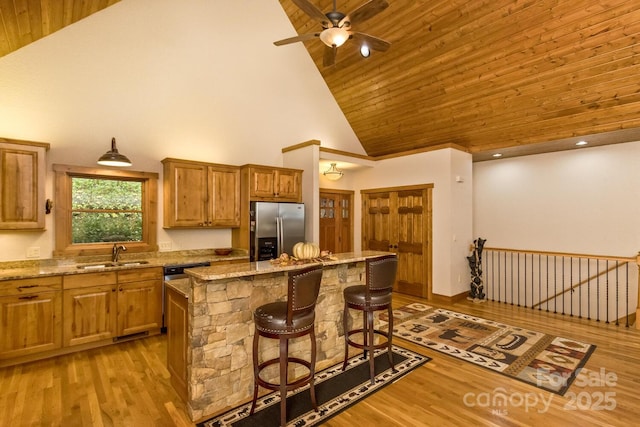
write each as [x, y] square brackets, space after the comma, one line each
[288, 184]
[139, 307]
[22, 176]
[185, 190]
[89, 314]
[224, 188]
[30, 323]
[275, 184]
[177, 321]
[262, 183]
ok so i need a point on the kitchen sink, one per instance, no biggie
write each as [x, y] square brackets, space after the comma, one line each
[109, 264]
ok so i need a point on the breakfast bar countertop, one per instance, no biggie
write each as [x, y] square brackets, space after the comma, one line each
[217, 272]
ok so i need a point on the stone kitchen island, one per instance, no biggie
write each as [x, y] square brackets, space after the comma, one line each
[221, 301]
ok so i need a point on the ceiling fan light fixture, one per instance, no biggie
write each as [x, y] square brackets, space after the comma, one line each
[113, 158]
[333, 173]
[365, 51]
[334, 36]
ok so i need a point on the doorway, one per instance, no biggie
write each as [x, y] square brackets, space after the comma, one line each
[399, 220]
[336, 220]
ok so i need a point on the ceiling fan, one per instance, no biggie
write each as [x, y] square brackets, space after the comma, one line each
[337, 28]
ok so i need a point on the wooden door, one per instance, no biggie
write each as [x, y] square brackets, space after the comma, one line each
[89, 314]
[139, 307]
[399, 220]
[336, 220]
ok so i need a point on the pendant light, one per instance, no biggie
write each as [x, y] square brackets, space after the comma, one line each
[113, 158]
[333, 173]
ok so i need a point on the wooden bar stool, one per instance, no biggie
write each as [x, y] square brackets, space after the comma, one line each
[285, 320]
[375, 295]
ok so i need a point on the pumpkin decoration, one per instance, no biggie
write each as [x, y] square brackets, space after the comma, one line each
[306, 250]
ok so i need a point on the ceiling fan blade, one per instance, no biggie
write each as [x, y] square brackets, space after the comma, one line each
[312, 10]
[373, 42]
[300, 38]
[364, 12]
[329, 57]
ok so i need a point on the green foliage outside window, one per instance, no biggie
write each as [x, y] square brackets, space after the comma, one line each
[106, 210]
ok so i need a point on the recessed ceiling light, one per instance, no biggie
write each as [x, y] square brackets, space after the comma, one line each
[497, 155]
[581, 143]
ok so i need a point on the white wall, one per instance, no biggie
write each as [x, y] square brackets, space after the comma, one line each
[186, 82]
[584, 201]
[452, 222]
[306, 158]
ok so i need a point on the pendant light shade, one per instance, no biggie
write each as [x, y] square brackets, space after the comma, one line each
[113, 158]
[333, 173]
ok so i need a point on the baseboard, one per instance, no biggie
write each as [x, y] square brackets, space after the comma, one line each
[444, 299]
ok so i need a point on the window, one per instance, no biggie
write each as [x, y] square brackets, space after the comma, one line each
[96, 208]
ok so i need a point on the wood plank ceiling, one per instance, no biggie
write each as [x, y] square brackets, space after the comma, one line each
[25, 21]
[515, 76]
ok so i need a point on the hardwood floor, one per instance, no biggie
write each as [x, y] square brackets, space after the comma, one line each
[128, 385]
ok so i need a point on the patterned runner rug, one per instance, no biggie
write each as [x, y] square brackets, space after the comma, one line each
[335, 392]
[545, 361]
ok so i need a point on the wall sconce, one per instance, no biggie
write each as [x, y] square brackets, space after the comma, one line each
[333, 173]
[113, 158]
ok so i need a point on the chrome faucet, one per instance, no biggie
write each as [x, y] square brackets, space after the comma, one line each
[115, 252]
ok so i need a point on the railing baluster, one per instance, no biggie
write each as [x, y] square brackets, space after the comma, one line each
[511, 279]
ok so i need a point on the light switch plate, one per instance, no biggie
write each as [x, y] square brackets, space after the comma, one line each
[165, 246]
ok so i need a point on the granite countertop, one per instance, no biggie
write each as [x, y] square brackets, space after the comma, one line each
[182, 286]
[265, 267]
[13, 270]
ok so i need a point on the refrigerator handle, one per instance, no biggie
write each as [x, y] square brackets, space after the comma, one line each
[279, 235]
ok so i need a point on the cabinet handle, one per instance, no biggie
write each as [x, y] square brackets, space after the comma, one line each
[120, 289]
[28, 297]
[27, 287]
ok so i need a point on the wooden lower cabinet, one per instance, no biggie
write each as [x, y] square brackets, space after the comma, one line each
[49, 316]
[30, 323]
[139, 301]
[176, 307]
[89, 308]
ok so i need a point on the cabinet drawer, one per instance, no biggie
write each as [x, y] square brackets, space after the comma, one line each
[90, 279]
[30, 286]
[138, 274]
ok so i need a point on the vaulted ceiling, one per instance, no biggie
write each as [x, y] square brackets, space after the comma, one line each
[486, 76]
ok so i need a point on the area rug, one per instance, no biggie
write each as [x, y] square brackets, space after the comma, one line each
[545, 361]
[335, 391]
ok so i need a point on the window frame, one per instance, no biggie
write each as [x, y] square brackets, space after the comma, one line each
[64, 245]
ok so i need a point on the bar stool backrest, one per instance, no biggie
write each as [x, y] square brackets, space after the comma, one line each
[304, 287]
[381, 274]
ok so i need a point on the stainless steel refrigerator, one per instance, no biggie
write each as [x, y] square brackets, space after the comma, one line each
[275, 228]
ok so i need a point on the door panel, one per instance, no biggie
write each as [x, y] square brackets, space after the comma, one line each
[399, 220]
[378, 225]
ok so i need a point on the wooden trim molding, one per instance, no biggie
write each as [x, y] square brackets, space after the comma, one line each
[63, 243]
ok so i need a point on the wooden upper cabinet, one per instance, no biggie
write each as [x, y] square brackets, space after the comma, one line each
[22, 179]
[198, 194]
[274, 184]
